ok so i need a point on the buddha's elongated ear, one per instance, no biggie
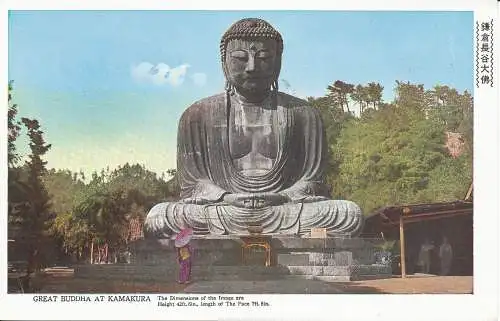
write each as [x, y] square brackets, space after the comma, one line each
[225, 70]
[277, 66]
[224, 61]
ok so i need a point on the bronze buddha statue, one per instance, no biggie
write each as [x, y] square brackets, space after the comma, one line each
[252, 156]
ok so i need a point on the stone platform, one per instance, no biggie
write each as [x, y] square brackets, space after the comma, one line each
[223, 258]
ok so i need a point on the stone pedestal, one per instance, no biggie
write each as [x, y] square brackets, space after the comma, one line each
[206, 252]
[333, 259]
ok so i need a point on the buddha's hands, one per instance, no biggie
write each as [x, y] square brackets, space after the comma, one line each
[257, 200]
[313, 199]
[195, 200]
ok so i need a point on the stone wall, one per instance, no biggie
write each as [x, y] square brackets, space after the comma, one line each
[340, 259]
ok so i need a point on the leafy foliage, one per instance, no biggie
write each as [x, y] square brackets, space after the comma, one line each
[100, 211]
[13, 127]
[394, 153]
[28, 200]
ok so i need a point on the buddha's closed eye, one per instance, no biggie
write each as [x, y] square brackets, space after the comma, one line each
[263, 55]
[239, 54]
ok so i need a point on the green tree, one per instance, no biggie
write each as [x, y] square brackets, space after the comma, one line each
[449, 180]
[65, 189]
[396, 153]
[103, 216]
[339, 91]
[466, 125]
[374, 94]
[454, 110]
[334, 120]
[410, 96]
[31, 220]
[17, 189]
[13, 127]
[105, 207]
[361, 96]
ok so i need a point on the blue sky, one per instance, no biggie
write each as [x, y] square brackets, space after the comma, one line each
[81, 73]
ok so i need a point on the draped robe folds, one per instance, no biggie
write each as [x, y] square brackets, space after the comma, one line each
[206, 173]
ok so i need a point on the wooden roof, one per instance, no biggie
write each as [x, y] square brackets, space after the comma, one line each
[390, 215]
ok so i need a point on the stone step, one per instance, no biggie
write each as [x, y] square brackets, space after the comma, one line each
[168, 272]
[282, 286]
[348, 270]
[151, 272]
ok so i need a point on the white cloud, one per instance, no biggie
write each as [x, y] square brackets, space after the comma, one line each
[159, 74]
[199, 79]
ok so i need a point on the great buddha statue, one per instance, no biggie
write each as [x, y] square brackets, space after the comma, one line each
[252, 156]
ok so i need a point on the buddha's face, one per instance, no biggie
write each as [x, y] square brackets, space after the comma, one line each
[252, 65]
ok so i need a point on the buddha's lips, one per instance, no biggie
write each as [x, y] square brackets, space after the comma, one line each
[252, 76]
[256, 78]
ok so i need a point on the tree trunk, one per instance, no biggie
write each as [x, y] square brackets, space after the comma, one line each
[92, 252]
[31, 261]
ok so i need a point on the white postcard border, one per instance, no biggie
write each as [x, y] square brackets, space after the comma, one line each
[481, 305]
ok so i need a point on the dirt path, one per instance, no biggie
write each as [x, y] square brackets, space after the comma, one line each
[421, 284]
[69, 284]
[63, 281]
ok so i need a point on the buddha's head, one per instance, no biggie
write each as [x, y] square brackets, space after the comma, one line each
[251, 52]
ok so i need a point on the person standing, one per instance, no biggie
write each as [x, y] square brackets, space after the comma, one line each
[424, 257]
[446, 256]
[184, 259]
[184, 254]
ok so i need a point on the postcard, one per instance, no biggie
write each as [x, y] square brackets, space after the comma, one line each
[250, 161]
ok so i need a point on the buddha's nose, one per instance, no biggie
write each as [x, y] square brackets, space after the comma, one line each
[250, 65]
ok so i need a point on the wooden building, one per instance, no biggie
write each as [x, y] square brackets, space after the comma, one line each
[411, 224]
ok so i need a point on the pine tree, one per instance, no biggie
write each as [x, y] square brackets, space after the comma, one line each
[34, 218]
